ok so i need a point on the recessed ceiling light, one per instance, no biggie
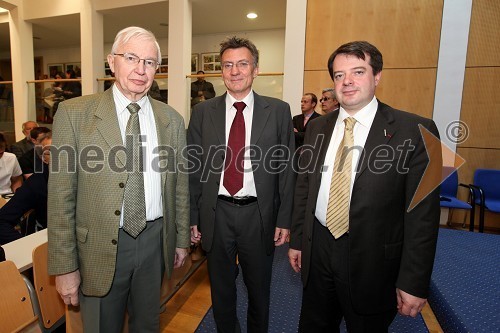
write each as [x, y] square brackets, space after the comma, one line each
[252, 15]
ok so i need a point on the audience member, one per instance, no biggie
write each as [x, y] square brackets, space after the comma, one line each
[201, 90]
[28, 162]
[365, 252]
[155, 92]
[307, 105]
[22, 146]
[71, 89]
[10, 171]
[241, 211]
[31, 195]
[328, 101]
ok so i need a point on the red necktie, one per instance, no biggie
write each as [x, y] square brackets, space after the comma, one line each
[233, 173]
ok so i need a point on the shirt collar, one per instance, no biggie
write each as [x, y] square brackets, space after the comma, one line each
[364, 116]
[122, 102]
[248, 100]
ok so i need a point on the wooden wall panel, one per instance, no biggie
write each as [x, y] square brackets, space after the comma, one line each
[411, 90]
[481, 107]
[484, 36]
[406, 32]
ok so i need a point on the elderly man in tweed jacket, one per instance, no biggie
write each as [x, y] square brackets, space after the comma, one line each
[98, 261]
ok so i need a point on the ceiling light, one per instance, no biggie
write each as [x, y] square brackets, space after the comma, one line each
[252, 15]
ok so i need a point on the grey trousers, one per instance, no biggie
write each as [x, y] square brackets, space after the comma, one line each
[135, 289]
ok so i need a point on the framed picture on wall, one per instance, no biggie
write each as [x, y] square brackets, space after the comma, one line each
[163, 69]
[76, 66]
[210, 62]
[194, 63]
[53, 69]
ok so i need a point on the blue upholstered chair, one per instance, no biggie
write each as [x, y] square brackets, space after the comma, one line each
[448, 194]
[486, 189]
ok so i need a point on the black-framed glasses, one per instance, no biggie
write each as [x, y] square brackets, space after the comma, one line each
[133, 60]
[324, 99]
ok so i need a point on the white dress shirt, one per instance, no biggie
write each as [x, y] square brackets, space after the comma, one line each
[9, 167]
[364, 119]
[152, 178]
[248, 188]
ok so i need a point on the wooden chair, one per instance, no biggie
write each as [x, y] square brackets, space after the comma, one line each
[16, 310]
[51, 306]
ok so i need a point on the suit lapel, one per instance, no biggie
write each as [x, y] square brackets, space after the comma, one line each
[259, 118]
[162, 122]
[108, 126]
[383, 124]
[218, 116]
[328, 131]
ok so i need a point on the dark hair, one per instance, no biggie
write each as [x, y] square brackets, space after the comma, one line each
[314, 99]
[72, 74]
[200, 72]
[359, 49]
[35, 132]
[2, 138]
[236, 43]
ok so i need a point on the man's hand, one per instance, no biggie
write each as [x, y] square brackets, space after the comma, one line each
[295, 130]
[295, 258]
[180, 257]
[67, 286]
[409, 305]
[195, 235]
[280, 236]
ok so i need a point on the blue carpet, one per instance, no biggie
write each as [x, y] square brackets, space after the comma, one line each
[286, 298]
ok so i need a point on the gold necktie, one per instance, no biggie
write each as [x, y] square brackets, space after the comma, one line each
[337, 213]
[134, 206]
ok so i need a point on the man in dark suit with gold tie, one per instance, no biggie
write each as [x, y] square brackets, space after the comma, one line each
[241, 196]
[364, 253]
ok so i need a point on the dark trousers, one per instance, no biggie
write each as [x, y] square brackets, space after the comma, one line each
[135, 289]
[327, 298]
[238, 231]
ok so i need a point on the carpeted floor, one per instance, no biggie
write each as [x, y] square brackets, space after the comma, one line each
[286, 296]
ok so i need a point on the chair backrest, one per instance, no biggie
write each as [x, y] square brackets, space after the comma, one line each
[16, 311]
[52, 307]
[489, 181]
[449, 186]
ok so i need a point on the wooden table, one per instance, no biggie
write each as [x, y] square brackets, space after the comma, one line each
[20, 251]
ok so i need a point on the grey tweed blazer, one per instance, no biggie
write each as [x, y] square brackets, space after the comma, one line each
[85, 199]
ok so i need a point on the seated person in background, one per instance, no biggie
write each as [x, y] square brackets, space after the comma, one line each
[20, 147]
[201, 90]
[71, 89]
[31, 195]
[328, 101]
[155, 92]
[10, 171]
[307, 105]
[29, 164]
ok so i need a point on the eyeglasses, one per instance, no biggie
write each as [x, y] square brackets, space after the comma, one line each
[132, 59]
[324, 99]
[227, 66]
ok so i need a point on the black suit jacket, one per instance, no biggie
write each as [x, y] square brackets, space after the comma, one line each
[298, 123]
[273, 143]
[389, 247]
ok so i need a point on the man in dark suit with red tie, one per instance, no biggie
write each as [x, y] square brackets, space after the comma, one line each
[364, 252]
[241, 188]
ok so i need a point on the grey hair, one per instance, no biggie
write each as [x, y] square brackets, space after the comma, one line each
[125, 35]
[330, 90]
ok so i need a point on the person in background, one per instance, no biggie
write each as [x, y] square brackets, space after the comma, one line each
[328, 101]
[242, 207]
[29, 162]
[364, 251]
[112, 231]
[22, 146]
[10, 171]
[71, 89]
[307, 105]
[201, 90]
[31, 195]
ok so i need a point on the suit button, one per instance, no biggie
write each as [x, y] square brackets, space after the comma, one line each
[213, 208]
[122, 185]
[117, 212]
[114, 242]
[217, 182]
